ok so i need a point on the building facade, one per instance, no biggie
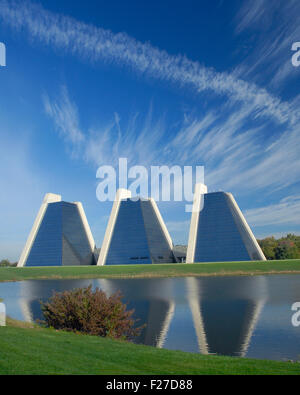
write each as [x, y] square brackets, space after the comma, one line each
[60, 236]
[135, 234]
[219, 231]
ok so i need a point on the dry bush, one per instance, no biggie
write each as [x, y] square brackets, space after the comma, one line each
[93, 313]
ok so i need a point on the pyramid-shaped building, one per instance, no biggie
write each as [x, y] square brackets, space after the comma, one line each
[219, 231]
[135, 234]
[60, 236]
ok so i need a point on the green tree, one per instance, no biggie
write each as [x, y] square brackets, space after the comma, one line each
[286, 249]
[294, 238]
[4, 263]
[268, 246]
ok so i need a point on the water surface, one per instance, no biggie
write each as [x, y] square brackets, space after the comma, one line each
[239, 315]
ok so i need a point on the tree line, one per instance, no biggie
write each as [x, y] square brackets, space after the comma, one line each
[284, 248]
[7, 263]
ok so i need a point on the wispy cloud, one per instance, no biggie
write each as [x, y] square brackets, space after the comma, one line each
[235, 154]
[251, 14]
[93, 43]
[138, 141]
[286, 212]
[65, 115]
[273, 28]
[229, 142]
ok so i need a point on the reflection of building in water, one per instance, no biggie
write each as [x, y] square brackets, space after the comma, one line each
[152, 307]
[225, 318]
[33, 292]
[224, 312]
[2, 314]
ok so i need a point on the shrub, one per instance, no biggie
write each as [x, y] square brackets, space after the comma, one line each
[94, 313]
[5, 263]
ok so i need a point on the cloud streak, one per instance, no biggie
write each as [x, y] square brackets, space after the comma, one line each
[65, 116]
[93, 43]
[226, 142]
[235, 155]
[274, 29]
[286, 212]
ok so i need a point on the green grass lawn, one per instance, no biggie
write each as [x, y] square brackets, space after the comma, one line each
[27, 349]
[166, 270]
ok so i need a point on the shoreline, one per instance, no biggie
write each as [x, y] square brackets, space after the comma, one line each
[59, 352]
[151, 271]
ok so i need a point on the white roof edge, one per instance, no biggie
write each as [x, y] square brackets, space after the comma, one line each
[52, 198]
[86, 225]
[120, 195]
[162, 223]
[48, 198]
[200, 190]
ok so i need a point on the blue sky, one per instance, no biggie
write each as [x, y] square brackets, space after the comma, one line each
[207, 83]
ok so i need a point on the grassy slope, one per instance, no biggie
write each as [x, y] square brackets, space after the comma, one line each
[33, 350]
[171, 270]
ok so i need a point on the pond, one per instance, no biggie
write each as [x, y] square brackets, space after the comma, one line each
[247, 316]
